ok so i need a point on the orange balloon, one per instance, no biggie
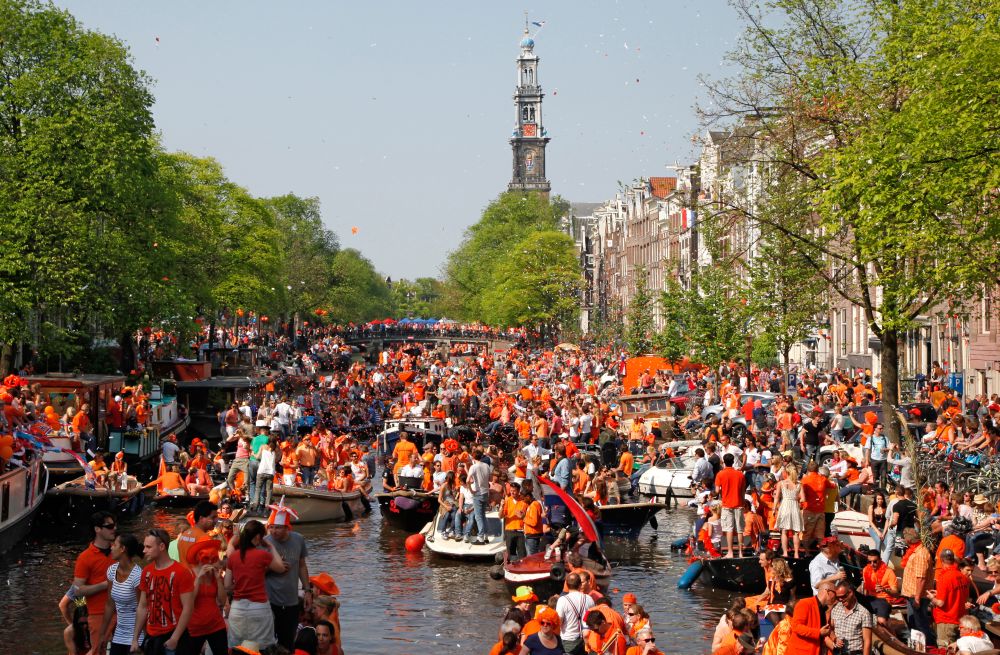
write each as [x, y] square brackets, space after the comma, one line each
[355, 230]
[6, 452]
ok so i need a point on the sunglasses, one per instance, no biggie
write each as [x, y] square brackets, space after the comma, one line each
[109, 527]
[631, 613]
[651, 640]
[547, 624]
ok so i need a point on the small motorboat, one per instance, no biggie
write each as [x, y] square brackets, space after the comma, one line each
[314, 505]
[408, 510]
[75, 498]
[627, 519]
[852, 528]
[546, 576]
[669, 478]
[460, 549]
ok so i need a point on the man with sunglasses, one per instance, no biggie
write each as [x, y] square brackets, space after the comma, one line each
[852, 624]
[809, 620]
[645, 644]
[90, 574]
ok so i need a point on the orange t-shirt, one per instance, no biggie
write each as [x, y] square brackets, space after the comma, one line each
[533, 519]
[732, 486]
[402, 453]
[626, 463]
[81, 423]
[92, 566]
[509, 511]
[815, 486]
[953, 543]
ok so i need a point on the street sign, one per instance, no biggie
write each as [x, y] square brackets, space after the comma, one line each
[956, 382]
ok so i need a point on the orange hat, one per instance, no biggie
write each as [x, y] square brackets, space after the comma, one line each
[324, 582]
[120, 454]
[629, 598]
[203, 551]
[549, 614]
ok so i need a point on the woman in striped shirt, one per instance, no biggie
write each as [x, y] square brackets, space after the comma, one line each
[123, 576]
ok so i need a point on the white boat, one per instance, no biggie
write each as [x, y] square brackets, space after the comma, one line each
[852, 528]
[667, 477]
[314, 505]
[466, 550]
[22, 489]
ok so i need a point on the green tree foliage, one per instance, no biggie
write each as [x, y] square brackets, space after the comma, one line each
[536, 285]
[639, 327]
[306, 250]
[673, 341]
[508, 220]
[419, 298]
[357, 292]
[879, 122]
[710, 317]
[76, 163]
[785, 295]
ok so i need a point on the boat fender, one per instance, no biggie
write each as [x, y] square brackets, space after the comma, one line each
[690, 575]
[557, 572]
[679, 544]
[496, 572]
[499, 558]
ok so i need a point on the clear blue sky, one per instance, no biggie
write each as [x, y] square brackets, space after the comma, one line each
[396, 114]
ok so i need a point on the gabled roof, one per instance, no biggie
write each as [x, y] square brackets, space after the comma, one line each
[661, 187]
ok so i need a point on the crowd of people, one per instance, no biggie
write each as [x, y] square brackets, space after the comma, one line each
[245, 593]
[520, 416]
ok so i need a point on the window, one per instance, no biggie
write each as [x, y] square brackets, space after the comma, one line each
[843, 332]
[524, 114]
[987, 318]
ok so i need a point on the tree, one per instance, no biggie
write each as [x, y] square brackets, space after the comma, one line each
[785, 295]
[419, 298]
[357, 293]
[879, 128]
[673, 342]
[639, 319]
[538, 287]
[306, 251]
[495, 237]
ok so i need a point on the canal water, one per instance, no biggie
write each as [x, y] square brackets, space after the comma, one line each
[393, 602]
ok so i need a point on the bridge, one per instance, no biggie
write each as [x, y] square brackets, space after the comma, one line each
[380, 339]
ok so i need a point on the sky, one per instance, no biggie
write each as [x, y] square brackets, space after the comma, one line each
[396, 114]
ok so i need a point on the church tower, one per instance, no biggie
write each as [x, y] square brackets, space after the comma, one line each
[529, 139]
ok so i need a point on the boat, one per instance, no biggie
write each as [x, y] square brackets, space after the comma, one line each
[650, 407]
[74, 498]
[852, 528]
[314, 505]
[460, 549]
[627, 519]
[547, 577]
[408, 510]
[421, 430]
[62, 390]
[204, 399]
[22, 489]
[668, 478]
[142, 444]
[745, 574]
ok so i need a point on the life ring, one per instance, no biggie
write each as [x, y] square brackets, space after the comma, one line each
[557, 572]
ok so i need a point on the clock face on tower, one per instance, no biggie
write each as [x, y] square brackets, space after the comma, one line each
[529, 129]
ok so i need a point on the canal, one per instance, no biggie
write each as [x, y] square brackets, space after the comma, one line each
[393, 602]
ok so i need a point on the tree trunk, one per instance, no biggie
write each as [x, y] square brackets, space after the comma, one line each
[786, 356]
[6, 359]
[127, 359]
[890, 384]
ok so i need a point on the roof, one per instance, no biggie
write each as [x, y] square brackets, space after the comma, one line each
[661, 187]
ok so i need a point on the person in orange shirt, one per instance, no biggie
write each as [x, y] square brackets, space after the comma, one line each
[402, 452]
[83, 429]
[626, 462]
[604, 636]
[513, 510]
[534, 520]
[954, 540]
[645, 644]
[580, 478]
[171, 482]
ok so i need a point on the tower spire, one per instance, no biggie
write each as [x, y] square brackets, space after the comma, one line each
[529, 139]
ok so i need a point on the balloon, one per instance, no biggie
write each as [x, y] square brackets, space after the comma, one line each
[355, 230]
[6, 452]
[6, 440]
[414, 543]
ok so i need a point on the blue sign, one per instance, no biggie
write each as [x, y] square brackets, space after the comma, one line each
[956, 382]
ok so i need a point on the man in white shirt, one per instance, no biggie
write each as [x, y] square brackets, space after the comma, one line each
[572, 607]
[283, 416]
